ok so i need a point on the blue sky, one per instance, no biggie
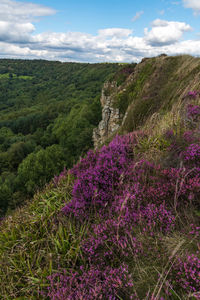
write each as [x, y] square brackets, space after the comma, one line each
[90, 16]
[98, 31]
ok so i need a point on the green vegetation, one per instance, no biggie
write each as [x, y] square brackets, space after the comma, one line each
[155, 86]
[123, 222]
[134, 90]
[47, 113]
[136, 229]
[39, 239]
[13, 76]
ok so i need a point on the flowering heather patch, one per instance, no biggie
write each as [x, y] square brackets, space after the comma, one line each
[187, 273]
[193, 94]
[193, 112]
[112, 241]
[132, 200]
[153, 184]
[103, 176]
[194, 230]
[108, 176]
[154, 219]
[95, 283]
[189, 136]
[150, 218]
[192, 154]
[98, 176]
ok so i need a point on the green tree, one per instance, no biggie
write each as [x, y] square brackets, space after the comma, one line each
[38, 168]
[18, 151]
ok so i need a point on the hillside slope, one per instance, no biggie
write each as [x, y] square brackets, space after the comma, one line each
[147, 95]
[123, 223]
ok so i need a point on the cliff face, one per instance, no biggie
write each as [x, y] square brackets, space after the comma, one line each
[111, 117]
[151, 92]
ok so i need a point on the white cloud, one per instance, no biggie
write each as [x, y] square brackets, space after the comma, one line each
[115, 32]
[11, 50]
[76, 46]
[194, 4]
[17, 33]
[137, 15]
[165, 32]
[14, 11]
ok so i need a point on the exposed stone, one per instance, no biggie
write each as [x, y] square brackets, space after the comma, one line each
[111, 118]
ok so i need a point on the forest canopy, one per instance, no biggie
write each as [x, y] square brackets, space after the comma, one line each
[47, 114]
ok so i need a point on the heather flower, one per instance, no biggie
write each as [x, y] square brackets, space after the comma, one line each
[156, 218]
[151, 218]
[193, 112]
[186, 273]
[99, 174]
[94, 283]
[192, 136]
[193, 94]
[110, 241]
[192, 154]
[194, 230]
[188, 136]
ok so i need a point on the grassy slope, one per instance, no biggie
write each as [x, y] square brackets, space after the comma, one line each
[37, 240]
[155, 86]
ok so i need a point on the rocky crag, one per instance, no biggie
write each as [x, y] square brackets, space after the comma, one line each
[111, 116]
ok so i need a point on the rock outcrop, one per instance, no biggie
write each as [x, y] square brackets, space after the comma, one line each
[111, 117]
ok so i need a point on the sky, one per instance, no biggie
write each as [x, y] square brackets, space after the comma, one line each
[98, 30]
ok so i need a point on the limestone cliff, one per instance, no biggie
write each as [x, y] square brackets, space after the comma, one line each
[111, 117]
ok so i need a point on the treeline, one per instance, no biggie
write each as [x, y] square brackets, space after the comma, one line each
[47, 114]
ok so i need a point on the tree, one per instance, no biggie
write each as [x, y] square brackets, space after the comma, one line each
[18, 151]
[38, 168]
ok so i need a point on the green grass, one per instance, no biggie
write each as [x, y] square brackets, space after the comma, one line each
[14, 76]
[34, 242]
[25, 77]
[156, 86]
[134, 89]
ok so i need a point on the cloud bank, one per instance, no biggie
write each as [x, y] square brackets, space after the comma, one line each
[194, 4]
[18, 38]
